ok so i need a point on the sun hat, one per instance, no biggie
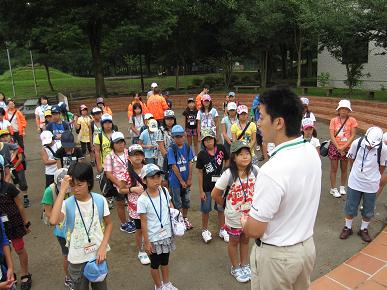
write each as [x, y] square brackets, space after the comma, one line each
[67, 139]
[46, 137]
[242, 109]
[47, 113]
[117, 136]
[100, 101]
[307, 123]
[153, 126]
[344, 104]
[82, 107]
[148, 116]
[169, 114]
[106, 118]
[59, 175]
[208, 132]
[304, 101]
[96, 110]
[238, 145]
[55, 109]
[231, 94]
[190, 100]
[231, 106]
[133, 149]
[150, 170]
[154, 85]
[373, 136]
[95, 272]
[206, 97]
[177, 130]
[4, 132]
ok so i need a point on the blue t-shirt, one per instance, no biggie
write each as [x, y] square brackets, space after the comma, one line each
[57, 128]
[149, 138]
[4, 240]
[184, 157]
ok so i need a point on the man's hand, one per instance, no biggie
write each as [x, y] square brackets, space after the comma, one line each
[203, 195]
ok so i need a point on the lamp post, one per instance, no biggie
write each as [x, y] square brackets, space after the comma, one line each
[33, 73]
[10, 70]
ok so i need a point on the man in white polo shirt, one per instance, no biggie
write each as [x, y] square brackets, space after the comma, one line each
[286, 199]
[368, 156]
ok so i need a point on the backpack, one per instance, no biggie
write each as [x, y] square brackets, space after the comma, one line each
[230, 182]
[166, 167]
[70, 211]
[43, 216]
[379, 152]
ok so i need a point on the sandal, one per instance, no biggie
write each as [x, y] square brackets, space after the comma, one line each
[26, 285]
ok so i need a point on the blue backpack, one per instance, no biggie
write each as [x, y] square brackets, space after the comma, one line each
[71, 206]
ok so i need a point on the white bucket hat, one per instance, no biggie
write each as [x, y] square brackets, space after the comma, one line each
[374, 136]
[344, 104]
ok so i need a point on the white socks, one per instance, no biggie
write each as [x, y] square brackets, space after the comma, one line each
[348, 223]
[364, 225]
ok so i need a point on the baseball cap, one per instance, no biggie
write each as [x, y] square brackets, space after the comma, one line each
[47, 113]
[100, 100]
[169, 114]
[304, 101]
[150, 170]
[374, 136]
[344, 104]
[4, 132]
[67, 139]
[46, 137]
[106, 118]
[55, 109]
[232, 94]
[190, 100]
[95, 272]
[133, 149]
[206, 97]
[96, 110]
[148, 116]
[154, 85]
[117, 136]
[238, 145]
[153, 126]
[83, 107]
[62, 106]
[242, 109]
[231, 106]
[177, 130]
[307, 123]
[59, 175]
[207, 132]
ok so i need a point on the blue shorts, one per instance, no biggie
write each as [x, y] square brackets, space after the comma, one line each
[205, 205]
[181, 198]
[353, 201]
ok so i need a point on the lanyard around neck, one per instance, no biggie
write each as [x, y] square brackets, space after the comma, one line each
[243, 189]
[159, 217]
[83, 221]
[287, 146]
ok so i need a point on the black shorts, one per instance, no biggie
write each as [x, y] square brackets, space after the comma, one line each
[22, 180]
[84, 146]
[137, 222]
[62, 243]
[157, 260]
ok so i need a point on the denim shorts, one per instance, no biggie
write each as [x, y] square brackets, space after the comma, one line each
[181, 198]
[205, 205]
[353, 201]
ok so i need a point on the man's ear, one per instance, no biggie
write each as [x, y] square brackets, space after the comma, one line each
[279, 123]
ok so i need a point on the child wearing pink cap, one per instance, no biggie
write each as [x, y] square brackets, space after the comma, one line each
[208, 116]
[309, 133]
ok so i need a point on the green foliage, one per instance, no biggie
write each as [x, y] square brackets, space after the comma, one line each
[323, 79]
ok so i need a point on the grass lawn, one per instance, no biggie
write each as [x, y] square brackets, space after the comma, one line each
[79, 86]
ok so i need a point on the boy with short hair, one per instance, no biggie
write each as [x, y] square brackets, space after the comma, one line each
[68, 153]
[180, 157]
[57, 126]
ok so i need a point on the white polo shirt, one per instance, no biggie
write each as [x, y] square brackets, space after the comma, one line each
[365, 172]
[287, 193]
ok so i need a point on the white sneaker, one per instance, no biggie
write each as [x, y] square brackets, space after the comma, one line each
[168, 286]
[342, 190]
[143, 257]
[239, 275]
[223, 234]
[335, 192]
[206, 235]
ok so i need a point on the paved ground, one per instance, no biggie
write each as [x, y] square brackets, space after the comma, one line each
[194, 265]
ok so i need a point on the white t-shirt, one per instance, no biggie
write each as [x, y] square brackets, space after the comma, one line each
[138, 123]
[287, 194]
[13, 121]
[50, 169]
[5, 124]
[239, 197]
[368, 178]
[311, 116]
[39, 112]
[207, 120]
[144, 206]
[315, 142]
[78, 239]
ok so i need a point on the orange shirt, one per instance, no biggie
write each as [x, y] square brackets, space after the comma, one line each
[156, 106]
[130, 109]
[199, 101]
[345, 134]
[107, 110]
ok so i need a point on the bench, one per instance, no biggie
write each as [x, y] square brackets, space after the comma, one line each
[247, 87]
[329, 90]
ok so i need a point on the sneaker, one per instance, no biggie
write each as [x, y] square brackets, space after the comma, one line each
[364, 235]
[206, 235]
[143, 257]
[187, 223]
[195, 159]
[126, 228]
[168, 286]
[69, 283]
[239, 275]
[342, 190]
[223, 234]
[335, 192]
[247, 270]
[345, 233]
[131, 226]
[26, 202]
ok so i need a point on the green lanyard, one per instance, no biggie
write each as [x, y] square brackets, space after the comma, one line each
[288, 145]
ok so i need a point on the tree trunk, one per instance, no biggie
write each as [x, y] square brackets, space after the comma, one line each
[48, 76]
[349, 79]
[309, 63]
[141, 75]
[94, 33]
[263, 67]
[177, 77]
[284, 61]
[148, 64]
[298, 42]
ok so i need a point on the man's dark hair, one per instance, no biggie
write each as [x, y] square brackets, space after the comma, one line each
[283, 102]
[82, 171]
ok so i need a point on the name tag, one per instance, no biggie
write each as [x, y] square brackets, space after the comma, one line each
[245, 206]
[162, 233]
[192, 123]
[90, 248]
[214, 178]
[183, 168]
[344, 139]
[4, 218]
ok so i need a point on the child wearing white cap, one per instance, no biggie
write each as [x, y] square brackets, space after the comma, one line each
[49, 147]
[307, 113]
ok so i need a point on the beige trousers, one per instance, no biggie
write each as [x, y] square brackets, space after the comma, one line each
[282, 268]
